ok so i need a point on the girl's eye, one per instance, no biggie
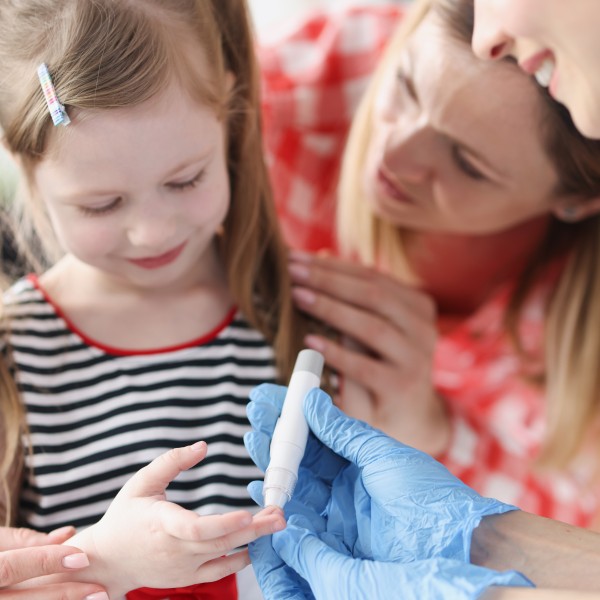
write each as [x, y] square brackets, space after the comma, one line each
[465, 166]
[190, 184]
[95, 211]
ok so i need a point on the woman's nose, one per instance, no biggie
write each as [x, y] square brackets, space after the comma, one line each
[409, 154]
[489, 40]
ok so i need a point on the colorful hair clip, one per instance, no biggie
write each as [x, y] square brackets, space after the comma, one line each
[57, 110]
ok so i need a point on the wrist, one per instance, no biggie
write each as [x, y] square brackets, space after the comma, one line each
[550, 553]
[100, 570]
[429, 429]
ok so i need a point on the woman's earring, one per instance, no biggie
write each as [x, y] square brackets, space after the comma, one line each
[569, 214]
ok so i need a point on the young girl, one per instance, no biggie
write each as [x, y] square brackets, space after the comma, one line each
[476, 200]
[167, 298]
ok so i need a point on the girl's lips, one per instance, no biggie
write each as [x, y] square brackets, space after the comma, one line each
[390, 188]
[155, 262]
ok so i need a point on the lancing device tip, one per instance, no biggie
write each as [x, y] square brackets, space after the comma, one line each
[291, 431]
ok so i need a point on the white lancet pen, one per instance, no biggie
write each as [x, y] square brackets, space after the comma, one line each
[291, 431]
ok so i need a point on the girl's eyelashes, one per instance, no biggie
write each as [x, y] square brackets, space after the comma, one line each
[113, 204]
[189, 184]
[94, 211]
[465, 166]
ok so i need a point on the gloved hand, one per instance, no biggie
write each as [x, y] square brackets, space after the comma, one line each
[391, 502]
[277, 580]
[333, 575]
[264, 408]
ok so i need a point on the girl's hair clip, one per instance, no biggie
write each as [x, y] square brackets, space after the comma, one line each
[57, 110]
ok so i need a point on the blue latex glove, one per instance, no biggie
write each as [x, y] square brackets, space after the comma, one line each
[333, 575]
[391, 502]
[264, 408]
[277, 580]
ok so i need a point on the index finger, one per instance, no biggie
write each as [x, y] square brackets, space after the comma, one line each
[363, 285]
[20, 565]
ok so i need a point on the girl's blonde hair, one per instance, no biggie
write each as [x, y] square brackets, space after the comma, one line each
[572, 327]
[105, 54]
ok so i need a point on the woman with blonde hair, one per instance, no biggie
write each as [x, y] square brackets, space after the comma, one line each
[472, 200]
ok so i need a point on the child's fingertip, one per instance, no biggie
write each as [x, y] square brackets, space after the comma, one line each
[198, 446]
[62, 532]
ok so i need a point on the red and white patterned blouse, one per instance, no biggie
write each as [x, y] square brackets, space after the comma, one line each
[312, 82]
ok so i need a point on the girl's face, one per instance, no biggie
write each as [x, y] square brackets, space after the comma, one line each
[555, 39]
[455, 143]
[139, 193]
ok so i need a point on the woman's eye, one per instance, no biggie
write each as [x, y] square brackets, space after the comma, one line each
[465, 166]
[406, 83]
[189, 184]
[101, 210]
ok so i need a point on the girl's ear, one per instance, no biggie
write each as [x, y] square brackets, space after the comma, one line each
[573, 210]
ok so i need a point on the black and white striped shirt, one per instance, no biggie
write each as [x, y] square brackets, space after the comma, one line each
[97, 416]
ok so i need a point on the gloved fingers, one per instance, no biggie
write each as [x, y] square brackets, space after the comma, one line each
[296, 508]
[352, 439]
[277, 581]
[264, 407]
[299, 504]
[333, 539]
[255, 489]
[301, 549]
[321, 460]
[312, 491]
[258, 445]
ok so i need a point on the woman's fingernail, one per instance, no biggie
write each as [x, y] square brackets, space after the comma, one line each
[303, 296]
[299, 255]
[299, 272]
[76, 561]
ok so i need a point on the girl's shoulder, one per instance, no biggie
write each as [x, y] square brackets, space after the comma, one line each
[23, 291]
[25, 303]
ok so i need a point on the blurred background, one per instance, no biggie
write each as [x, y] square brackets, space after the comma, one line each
[273, 16]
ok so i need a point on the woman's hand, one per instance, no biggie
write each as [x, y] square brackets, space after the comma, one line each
[26, 555]
[145, 541]
[385, 353]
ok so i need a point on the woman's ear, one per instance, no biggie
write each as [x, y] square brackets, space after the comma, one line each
[574, 210]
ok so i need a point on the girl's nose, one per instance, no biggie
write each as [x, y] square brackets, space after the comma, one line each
[152, 226]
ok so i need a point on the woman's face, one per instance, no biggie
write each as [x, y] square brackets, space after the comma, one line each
[455, 144]
[555, 39]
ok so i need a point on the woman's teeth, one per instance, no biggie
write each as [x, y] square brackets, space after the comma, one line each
[544, 74]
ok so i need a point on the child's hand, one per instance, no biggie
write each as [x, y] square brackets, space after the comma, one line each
[388, 336]
[145, 541]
